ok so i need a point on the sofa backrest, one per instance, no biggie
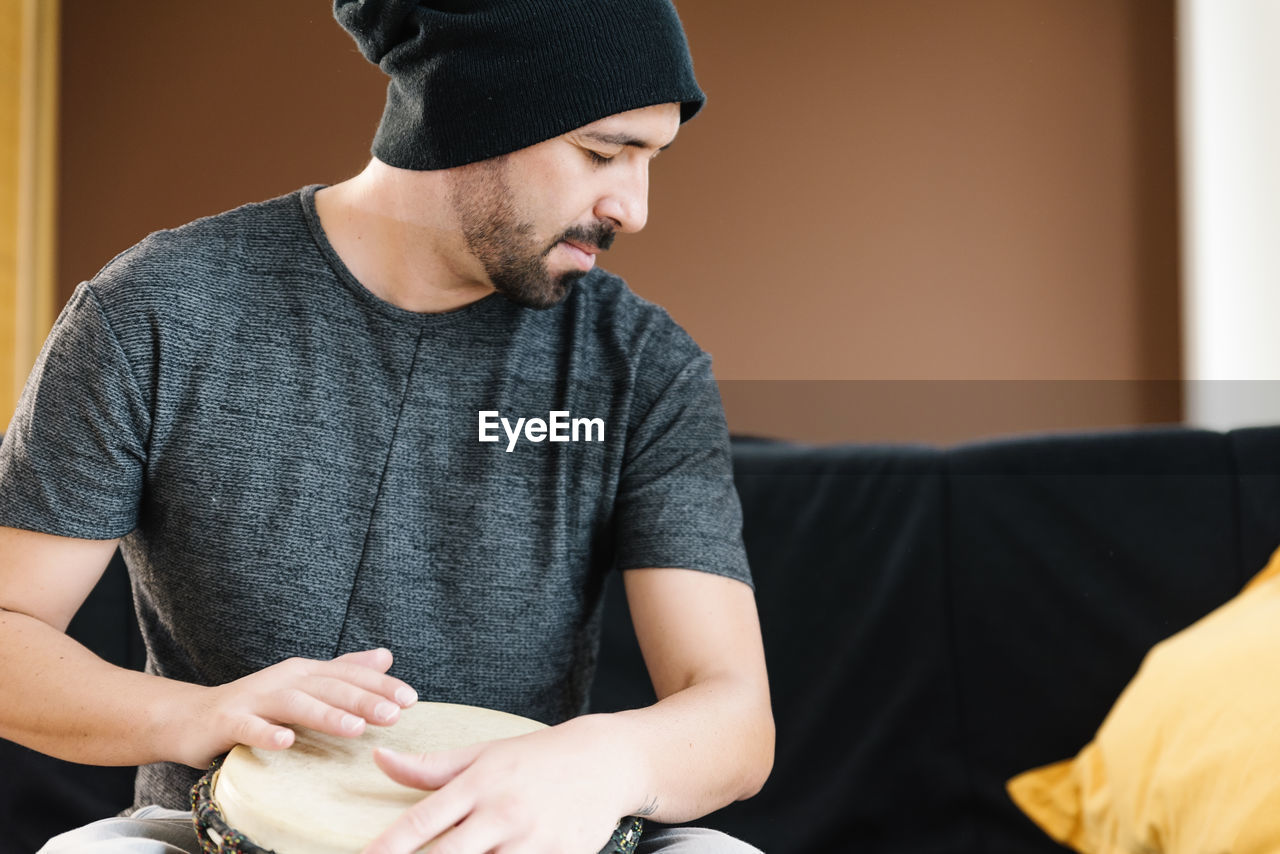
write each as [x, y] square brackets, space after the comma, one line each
[936, 621]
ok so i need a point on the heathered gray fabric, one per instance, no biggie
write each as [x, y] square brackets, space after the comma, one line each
[295, 468]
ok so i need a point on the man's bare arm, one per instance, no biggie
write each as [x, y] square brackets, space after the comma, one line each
[707, 741]
[59, 698]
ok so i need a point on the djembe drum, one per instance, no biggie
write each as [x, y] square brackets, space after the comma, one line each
[325, 795]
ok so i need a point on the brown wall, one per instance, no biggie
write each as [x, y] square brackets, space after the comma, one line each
[896, 219]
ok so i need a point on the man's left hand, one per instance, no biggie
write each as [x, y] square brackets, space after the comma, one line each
[555, 791]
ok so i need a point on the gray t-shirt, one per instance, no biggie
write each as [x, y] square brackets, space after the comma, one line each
[296, 467]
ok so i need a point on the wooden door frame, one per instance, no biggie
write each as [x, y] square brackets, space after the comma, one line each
[28, 187]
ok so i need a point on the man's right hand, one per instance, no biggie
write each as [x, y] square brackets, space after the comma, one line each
[59, 698]
[338, 697]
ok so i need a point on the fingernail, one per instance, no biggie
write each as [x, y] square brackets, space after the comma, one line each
[406, 696]
[281, 738]
[385, 711]
[351, 723]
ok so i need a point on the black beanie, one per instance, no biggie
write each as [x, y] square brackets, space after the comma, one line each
[473, 79]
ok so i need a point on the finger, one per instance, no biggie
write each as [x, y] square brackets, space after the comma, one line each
[472, 836]
[369, 678]
[379, 659]
[253, 731]
[341, 694]
[421, 823]
[425, 770]
[295, 706]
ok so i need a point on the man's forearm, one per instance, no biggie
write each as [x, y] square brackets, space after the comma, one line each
[59, 698]
[693, 752]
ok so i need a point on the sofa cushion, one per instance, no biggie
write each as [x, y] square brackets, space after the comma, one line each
[1185, 762]
[1255, 454]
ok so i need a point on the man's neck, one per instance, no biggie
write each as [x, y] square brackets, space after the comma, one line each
[394, 230]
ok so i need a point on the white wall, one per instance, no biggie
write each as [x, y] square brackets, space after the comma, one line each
[1229, 58]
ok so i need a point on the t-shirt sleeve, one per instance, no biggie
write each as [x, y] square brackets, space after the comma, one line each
[677, 505]
[72, 461]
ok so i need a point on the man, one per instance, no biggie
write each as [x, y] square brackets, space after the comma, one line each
[287, 417]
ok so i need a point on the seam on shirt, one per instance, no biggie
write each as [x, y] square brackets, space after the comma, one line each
[377, 495]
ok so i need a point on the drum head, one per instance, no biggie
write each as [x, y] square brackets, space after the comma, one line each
[325, 795]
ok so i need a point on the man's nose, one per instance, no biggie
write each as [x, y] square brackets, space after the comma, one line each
[627, 201]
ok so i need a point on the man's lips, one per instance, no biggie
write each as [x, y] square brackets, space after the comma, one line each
[584, 248]
[584, 255]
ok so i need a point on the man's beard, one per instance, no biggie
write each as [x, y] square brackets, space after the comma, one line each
[504, 243]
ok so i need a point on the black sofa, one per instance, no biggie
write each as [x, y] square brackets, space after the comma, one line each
[935, 620]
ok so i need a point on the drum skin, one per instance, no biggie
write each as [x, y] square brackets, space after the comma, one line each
[325, 795]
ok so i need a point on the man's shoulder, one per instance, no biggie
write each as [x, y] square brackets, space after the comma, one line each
[630, 322]
[610, 295]
[203, 257]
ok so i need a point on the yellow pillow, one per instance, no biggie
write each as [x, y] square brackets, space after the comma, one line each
[1188, 759]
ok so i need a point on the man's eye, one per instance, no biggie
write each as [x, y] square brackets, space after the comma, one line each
[597, 157]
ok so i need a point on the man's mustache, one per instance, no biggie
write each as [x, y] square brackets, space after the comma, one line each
[599, 236]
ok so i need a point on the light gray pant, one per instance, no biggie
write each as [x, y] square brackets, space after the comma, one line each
[155, 830]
